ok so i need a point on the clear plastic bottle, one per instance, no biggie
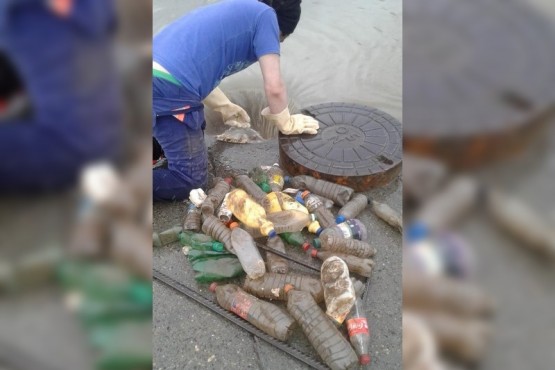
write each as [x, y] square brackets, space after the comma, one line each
[339, 293]
[244, 182]
[353, 208]
[359, 333]
[330, 344]
[289, 221]
[387, 214]
[315, 206]
[170, 235]
[275, 178]
[338, 193]
[224, 214]
[271, 285]
[350, 229]
[276, 263]
[213, 226]
[335, 243]
[328, 203]
[264, 315]
[249, 212]
[361, 266]
[289, 204]
[248, 253]
[193, 220]
[215, 196]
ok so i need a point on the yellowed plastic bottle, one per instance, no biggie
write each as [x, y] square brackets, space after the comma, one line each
[289, 204]
[249, 212]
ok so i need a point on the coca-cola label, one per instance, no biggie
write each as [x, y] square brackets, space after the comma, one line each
[241, 305]
[357, 325]
[346, 230]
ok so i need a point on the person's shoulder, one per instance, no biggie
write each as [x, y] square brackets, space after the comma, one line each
[252, 5]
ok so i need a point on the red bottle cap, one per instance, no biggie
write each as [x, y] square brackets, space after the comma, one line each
[287, 288]
[314, 253]
[229, 180]
[213, 287]
[305, 246]
[233, 225]
[364, 359]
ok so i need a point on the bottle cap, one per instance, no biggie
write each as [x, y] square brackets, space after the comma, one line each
[272, 233]
[316, 243]
[299, 198]
[229, 180]
[287, 179]
[339, 219]
[364, 359]
[218, 247]
[314, 253]
[287, 288]
[213, 287]
[417, 231]
[265, 187]
[305, 246]
[233, 225]
[305, 193]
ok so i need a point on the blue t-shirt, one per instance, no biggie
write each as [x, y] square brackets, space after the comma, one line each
[215, 41]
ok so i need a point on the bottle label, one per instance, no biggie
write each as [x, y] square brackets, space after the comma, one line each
[357, 325]
[277, 179]
[312, 203]
[346, 230]
[241, 305]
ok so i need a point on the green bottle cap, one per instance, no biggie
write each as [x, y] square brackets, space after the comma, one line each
[265, 187]
[316, 243]
[218, 247]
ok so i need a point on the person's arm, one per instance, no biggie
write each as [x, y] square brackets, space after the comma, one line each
[232, 114]
[274, 88]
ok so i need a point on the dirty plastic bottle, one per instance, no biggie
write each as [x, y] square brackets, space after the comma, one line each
[272, 203]
[213, 226]
[170, 235]
[193, 220]
[315, 206]
[289, 221]
[387, 214]
[330, 344]
[289, 204]
[265, 316]
[359, 333]
[259, 176]
[335, 243]
[328, 203]
[339, 293]
[338, 193]
[350, 229]
[247, 252]
[361, 266]
[245, 183]
[295, 239]
[199, 241]
[315, 228]
[270, 286]
[249, 212]
[215, 196]
[276, 263]
[224, 214]
[216, 269]
[358, 286]
[275, 178]
[353, 208]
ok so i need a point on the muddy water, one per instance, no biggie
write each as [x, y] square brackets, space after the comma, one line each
[341, 51]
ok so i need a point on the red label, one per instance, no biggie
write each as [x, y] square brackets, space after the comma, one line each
[241, 305]
[357, 326]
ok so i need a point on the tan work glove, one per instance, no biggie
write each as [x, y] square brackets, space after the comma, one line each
[232, 114]
[291, 124]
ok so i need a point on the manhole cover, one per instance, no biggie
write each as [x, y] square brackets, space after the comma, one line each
[357, 146]
[478, 78]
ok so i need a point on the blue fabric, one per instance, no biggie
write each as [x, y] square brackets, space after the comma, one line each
[182, 142]
[67, 70]
[216, 41]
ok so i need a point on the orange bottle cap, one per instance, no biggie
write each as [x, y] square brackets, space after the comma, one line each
[233, 225]
[304, 194]
[287, 288]
[213, 287]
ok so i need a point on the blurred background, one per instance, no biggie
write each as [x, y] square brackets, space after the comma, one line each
[479, 165]
[75, 184]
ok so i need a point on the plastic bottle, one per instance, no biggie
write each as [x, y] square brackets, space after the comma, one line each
[272, 203]
[199, 241]
[350, 229]
[289, 221]
[330, 344]
[359, 333]
[245, 183]
[275, 178]
[224, 214]
[264, 315]
[247, 252]
[249, 212]
[361, 266]
[289, 204]
[192, 219]
[339, 293]
[295, 239]
[328, 203]
[276, 263]
[215, 196]
[271, 285]
[170, 235]
[315, 206]
[353, 208]
[259, 176]
[338, 193]
[315, 228]
[387, 214]
[216, 269]
[334, 243]
[213, 226]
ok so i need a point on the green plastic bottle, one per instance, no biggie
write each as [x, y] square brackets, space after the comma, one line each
[200, 242]
[295, 239]
[217, 269]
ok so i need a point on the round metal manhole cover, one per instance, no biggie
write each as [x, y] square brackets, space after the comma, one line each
[357, 146]
[478, 78]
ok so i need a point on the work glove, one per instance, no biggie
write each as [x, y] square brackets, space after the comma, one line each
[291, 124]
[232, 114]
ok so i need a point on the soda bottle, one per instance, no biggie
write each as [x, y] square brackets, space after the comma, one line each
[352, 209]
[339, 293]
[314, 205]
[247, 252]
[387, 214]
[224, 214]
[271, 285]
[359, 333]
[276, 263]
[334, 243]
[264, 315]
[338, 193]
[275, 178]
[358, 286]
[170, 235]
[215, 196]
[350, 229]
[289, 221]
[245, 183]
[216, 268]
[330, 344]
[361, 266]
[192, 219]
[295, 239]
[213, 226]
[249, 212]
